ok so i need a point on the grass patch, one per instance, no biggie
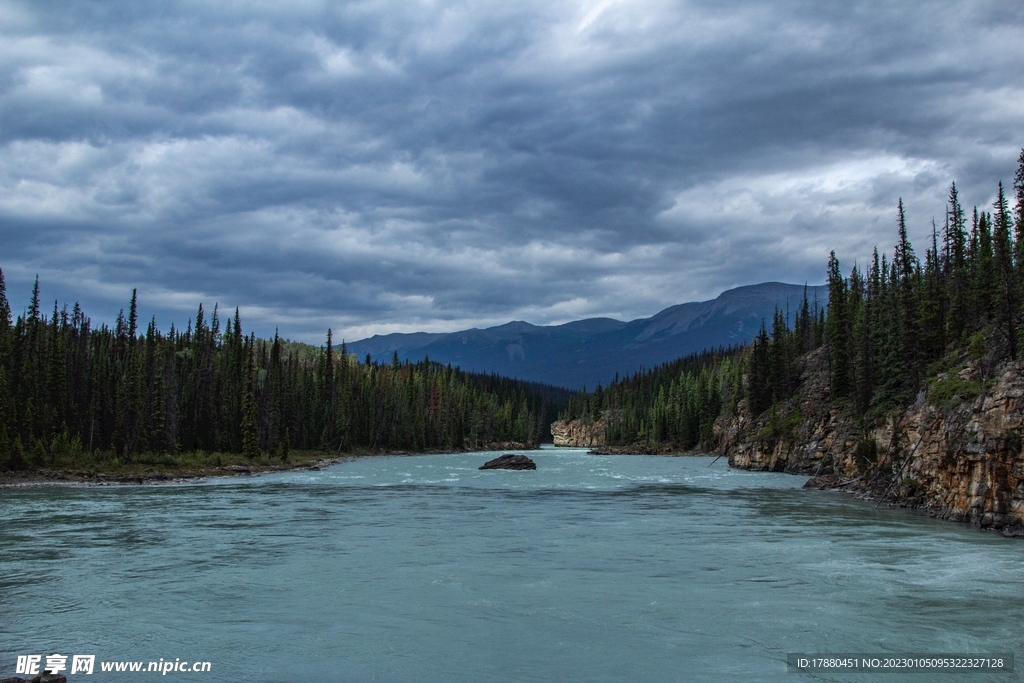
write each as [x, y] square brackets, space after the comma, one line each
[951, 390]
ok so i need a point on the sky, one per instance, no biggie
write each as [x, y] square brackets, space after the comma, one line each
[377, 167]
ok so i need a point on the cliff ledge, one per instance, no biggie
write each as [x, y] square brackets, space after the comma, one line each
[959, 457]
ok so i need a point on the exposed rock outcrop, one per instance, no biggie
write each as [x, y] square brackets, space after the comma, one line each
[510, 461]
[578, 433]
[39, 678]
[639, 448]
[959, 461]
[510, 446]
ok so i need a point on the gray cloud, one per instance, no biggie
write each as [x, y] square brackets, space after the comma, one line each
[378, 167]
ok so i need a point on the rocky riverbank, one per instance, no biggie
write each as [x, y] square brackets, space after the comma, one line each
[149, 475]
[956, 452]
[641, 448]
[588, 433]
[105, 474]
[579, 433]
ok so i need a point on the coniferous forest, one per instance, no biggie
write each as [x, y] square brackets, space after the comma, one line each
[891, 329]
[72, 390]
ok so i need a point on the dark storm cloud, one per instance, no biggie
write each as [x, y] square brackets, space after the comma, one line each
[376, 167]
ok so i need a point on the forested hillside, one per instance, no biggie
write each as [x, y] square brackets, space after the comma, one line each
[68, 387]
[893, 329]
[676, 404]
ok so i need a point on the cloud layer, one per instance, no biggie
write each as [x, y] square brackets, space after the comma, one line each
[378, 167]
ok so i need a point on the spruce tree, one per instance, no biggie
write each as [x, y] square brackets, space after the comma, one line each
[133, 316]
[250, 428]
[780, 358]
[984, 269]
[1018, 193]
[1007, 290]
[838, 329]
[906, 270]
[804, 325]
[5, 323]
[329, 398]
[5, 417]
[957, 277]
[759, 389]
[932, 317]
[860, 356]
[285, 445]
[33, 307]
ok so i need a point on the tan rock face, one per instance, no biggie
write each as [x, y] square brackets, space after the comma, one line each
[963, 464]
[578, 433]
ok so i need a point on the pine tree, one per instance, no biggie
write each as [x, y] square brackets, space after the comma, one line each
[932, 316]
[957, 276]
[838, 329]
[906, 269]
[1007, 289]
[5, 323]
[250, 428]
[805, 325]
[133, 316]
[33, 307]
[861, 313]
[1018, 192]
[780, 358]
[983, 268]
[759, 388]
[285, 445]
[329, 398]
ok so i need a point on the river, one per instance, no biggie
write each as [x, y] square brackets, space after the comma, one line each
[423, 568]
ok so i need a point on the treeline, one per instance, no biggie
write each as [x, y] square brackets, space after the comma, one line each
[888, 329]
[677, 403]
[67, 387]
[674, 403]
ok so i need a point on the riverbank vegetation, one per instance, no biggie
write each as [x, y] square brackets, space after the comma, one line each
[72, 394]
[893, 328]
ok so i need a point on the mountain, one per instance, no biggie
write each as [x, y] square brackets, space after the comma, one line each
[586, 352]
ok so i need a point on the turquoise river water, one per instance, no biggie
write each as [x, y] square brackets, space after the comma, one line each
[423, 568]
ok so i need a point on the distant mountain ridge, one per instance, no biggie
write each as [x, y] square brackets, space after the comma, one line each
[591, 351]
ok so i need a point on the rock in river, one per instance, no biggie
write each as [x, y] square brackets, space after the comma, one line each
[510, 461]
[39, 678]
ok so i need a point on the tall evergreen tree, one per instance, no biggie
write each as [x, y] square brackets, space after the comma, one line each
[250, 428]
[932, 316]
[1007, 290]
[957, 277]
[906, 268]
[1018, 193]
[5, 322]
[838, 329]
[983, 267]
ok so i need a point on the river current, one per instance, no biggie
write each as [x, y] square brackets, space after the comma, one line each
[424, 568]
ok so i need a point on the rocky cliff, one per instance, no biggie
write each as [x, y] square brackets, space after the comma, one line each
[956, 452]
[578, 433]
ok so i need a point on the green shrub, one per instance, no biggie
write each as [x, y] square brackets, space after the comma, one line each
[951, 390]
[866, 451]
